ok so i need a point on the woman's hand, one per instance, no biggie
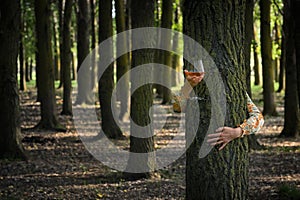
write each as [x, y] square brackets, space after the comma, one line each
[192, 78]
[223, 136]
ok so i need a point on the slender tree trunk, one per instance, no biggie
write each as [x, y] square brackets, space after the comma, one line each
[22, 52]
[60, 30]
[45, 67]
[291, 105]
[221, 174]
[27, 70]
[10, 141]
[166, 22]
[93, 44]
[175, 45]
[276, 60]
[30, 68]
[106, 82]
[55, 47]
[255, 57]
[282, 64]
[248, 41]
[67, 59]
[141, 100]
[266, 52]
[122, 61]
[83, 46]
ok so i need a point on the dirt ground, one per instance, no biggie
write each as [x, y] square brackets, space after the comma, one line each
[60, 167]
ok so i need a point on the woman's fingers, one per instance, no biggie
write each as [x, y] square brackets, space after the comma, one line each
[212, 140]
[214, 135]
[222, 147]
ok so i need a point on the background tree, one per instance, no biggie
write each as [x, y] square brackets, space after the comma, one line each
[60, 31]
[166, 59]
[248, 41]
[67, 59]
[106, 82]
[221, 174]
[141, 99]
[266, 54]
[83, 46]
[122, 61]
[10, 143]
[22, 58]
[45, 66]
[93, 42]
[291, 104]
[256, 67]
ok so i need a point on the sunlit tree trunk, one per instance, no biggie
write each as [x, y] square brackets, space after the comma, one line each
[221, 174]
[266, 52]
[10, 141]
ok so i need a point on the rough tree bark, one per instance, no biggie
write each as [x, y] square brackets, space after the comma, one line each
[266, 54]
[45, 67]
[67, 59]
[106, 82]
[219, 27]
[141, 99]
[83, 46]
[10, 141]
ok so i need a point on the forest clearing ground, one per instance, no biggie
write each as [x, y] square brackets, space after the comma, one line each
[59, 166]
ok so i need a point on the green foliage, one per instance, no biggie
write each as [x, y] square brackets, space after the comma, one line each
[290, 192]
[28, 33]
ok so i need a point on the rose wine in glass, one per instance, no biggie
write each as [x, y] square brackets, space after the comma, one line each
[198, 69]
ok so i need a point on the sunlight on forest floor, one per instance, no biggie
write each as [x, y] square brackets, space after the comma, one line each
[59, 166]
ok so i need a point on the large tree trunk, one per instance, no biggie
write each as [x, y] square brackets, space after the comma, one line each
[122, 61]
[221, 174]
[296, 14]
[10, 141]
[291, 105]
[67, 59]
[83, 46]
[266, 52]
[45, 66]
[165, 39]
[141, 100]
[106, 82]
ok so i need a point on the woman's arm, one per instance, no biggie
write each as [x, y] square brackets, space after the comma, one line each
[255, 121]
[251, 125]
[180, 99]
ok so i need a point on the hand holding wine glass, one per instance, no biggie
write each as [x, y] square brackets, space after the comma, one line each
[195, 77]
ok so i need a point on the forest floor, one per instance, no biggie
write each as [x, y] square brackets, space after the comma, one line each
[60, 167]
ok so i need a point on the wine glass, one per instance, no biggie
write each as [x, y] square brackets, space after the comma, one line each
[198, 70]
